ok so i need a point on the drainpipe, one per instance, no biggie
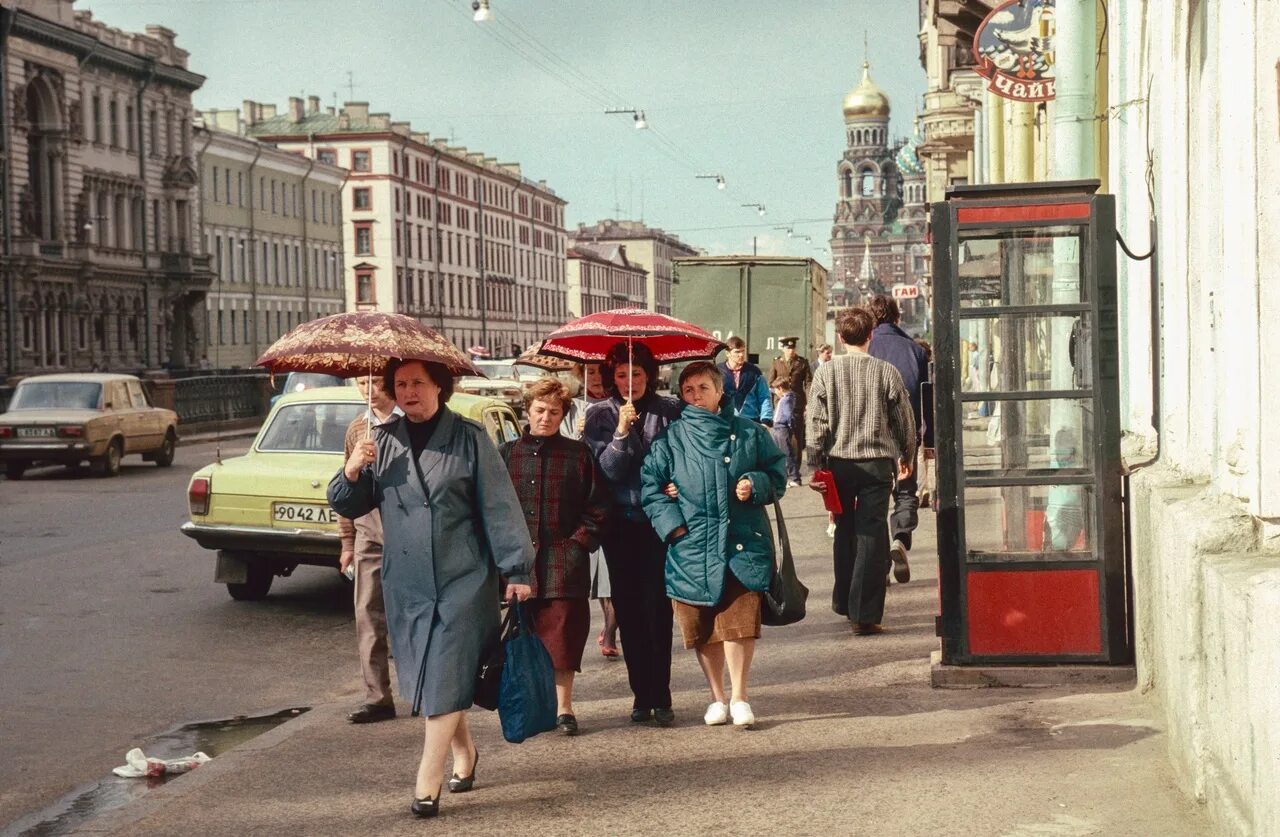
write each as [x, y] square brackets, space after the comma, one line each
[993, 119]
[1019, 164]
[142, 175]
[253, 253]
[200, 231]
[6, 184]
[306, 262]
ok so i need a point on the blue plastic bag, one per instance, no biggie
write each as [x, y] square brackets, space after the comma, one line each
[527, 695]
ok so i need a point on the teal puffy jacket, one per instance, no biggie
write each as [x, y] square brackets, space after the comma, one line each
[705, 454]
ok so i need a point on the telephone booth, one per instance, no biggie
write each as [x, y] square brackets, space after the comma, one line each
[1030, 524]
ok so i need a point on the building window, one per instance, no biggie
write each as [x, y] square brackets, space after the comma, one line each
[129, 128]
[97, 117]
[364, 288]
[153, 133]
[868, 184]
[239, 188]
[364, 240]
[113, 121]
[215, 184]
[328, 156]
[360, 160]
[360, 199]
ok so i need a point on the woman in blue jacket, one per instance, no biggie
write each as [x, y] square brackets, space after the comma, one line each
[705, 486]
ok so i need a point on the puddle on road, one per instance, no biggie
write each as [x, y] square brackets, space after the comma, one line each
[87, 802]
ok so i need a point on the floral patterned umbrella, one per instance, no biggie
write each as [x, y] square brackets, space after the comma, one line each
[361, 343]
[532, 357]
[588, 339]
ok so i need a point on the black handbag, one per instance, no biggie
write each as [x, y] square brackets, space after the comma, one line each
[784, 602]
[489, 675]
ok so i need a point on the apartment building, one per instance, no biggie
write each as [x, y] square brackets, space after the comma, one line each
[647, 247]
[601, 277]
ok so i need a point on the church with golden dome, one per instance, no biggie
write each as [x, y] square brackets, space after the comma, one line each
[878, 234]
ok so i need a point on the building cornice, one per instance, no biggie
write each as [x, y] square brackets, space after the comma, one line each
[83, 47]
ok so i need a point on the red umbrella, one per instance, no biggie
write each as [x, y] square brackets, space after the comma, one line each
[588, 339]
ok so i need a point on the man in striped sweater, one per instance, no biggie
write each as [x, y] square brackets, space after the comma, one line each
[861, 427]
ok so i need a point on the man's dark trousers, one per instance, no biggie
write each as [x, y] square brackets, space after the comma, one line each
[637, 576]
[906, 506]
[861, 550]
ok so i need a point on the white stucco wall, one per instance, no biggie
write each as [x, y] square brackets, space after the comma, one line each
[1196, 88]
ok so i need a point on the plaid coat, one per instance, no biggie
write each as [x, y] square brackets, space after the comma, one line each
[565, 504]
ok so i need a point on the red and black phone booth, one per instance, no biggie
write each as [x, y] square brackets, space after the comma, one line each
[1030, 525]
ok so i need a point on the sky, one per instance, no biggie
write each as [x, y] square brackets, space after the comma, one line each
[749, 89]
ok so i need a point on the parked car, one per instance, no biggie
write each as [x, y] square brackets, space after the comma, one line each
[70, 418]
[299, 381]
[503, 381]
[265, 513]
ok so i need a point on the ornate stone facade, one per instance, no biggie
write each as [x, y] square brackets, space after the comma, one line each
[100, 264]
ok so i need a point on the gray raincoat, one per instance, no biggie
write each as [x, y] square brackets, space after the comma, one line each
[444, 544]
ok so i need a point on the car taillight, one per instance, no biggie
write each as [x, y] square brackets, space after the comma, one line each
[198, 496]
[6, 432]
[71, 430]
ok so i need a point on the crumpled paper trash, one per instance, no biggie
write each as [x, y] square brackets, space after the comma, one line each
[138, 765]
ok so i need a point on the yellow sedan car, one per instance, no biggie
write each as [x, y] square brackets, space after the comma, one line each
[265, 513]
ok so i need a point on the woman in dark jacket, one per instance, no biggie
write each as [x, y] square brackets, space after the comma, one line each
[565, 506]
[451, 523]
[620, 431]
[706, 483]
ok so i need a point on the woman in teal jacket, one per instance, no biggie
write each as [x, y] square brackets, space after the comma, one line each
[705, 486]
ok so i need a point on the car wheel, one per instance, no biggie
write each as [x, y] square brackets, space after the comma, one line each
[108, 465]
[257, 585]
[15, 470]
[164, 456]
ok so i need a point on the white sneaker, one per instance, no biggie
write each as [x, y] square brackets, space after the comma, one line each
[901, 569]
[742, 715]
[831, 530]
[794, 483]
[717, 714]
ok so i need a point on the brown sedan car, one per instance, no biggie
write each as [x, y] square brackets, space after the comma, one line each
[69, 418]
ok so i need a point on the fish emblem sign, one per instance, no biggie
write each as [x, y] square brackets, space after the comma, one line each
[1014, 50]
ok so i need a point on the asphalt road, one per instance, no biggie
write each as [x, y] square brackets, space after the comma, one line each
[112, 630]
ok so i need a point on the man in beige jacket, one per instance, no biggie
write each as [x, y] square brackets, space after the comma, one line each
[362, 544]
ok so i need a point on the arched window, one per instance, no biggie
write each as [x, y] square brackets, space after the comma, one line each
[868, 183]
[846, 188]
[41, 206]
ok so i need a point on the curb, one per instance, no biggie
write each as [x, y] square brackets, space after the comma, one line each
[203, 438]
[232, 760]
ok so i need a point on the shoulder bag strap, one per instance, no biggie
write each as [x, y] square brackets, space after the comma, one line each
[784, 542]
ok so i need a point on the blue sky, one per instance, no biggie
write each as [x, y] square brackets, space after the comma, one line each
[748, 89]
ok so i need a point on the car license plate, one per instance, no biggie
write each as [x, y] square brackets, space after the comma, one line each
[302, 513]
[37, 431]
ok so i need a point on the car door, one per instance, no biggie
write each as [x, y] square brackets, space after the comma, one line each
[141, 422]
[115, 407]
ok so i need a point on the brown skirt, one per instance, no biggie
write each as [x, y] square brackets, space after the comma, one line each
[737, 616]
[563, 626]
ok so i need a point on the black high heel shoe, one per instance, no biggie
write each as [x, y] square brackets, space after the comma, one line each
[462, 784]
[426, 806]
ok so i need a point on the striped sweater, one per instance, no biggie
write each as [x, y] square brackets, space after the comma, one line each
[859, 409]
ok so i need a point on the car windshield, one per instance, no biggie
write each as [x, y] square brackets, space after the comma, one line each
[314, 428]
[496, 369]
[57, 395]
[298, 381]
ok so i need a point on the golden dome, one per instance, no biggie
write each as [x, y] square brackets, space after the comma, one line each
[866, 100]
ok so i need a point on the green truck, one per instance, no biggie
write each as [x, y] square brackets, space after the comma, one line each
[758, 298]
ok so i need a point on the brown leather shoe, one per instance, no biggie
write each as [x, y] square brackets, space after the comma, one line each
[868, 629]
[371, 713]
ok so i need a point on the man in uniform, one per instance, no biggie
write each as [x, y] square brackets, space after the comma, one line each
[362, 544]
[796, 369]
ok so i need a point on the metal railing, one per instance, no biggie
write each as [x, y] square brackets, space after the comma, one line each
[227, 397]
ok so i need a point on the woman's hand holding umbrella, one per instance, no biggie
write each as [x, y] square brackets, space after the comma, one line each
[362, 454]
[626, 417]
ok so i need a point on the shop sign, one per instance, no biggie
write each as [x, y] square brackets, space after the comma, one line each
[1014, 50]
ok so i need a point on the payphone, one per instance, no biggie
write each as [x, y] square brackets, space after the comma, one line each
[1030, 525]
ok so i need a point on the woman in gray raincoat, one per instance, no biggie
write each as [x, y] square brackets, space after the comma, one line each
[451, 523]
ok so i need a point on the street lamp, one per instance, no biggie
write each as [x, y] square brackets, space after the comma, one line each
[719, 179]
[481, 9]
[758, 207]
[637, 116]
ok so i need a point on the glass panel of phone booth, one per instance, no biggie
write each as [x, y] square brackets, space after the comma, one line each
[1020, 267]
[1029, 523]
[1043, 438]
[1026, 353]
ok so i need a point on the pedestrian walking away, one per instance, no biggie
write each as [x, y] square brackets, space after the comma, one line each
[795, 368]
[620, 432]
[362, 552]
[892, 345]
[452, 523]
[706, 482]
[862, 429]
[744, 384]
[565, 506]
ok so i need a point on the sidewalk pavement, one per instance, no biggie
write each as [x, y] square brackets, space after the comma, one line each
[851, 739]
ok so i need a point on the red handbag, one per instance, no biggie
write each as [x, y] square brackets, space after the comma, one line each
[830, 497]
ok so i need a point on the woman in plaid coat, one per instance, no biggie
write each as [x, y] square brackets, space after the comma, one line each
[565, 504]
